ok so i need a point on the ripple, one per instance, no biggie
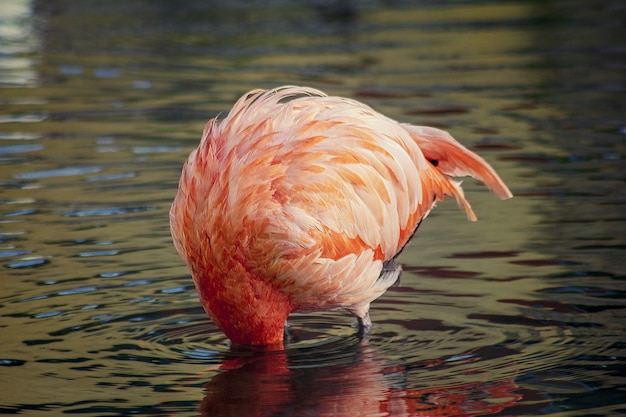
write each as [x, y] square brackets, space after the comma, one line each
[111, 177]
[155, 149]
[10, 149]
[104, 72]
[11, 362]
[313, 341]
[457, 360]
[177, 290]
[22, 118]
[79, 290]
[142, 84]
[19, 136]
[484, 255]
[91, 254]
[47, 314]
[70, 69]
[329, 340]
[194, 341]
[437, 351]
[113, 274]
[22, 200]
[61, 172]
[437, 111]
[32, 262]
[106, 211]
[21, 212]
[12, 253]
[137, 283]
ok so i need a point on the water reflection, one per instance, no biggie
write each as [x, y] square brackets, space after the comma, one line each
[359, 383]
[18, 40]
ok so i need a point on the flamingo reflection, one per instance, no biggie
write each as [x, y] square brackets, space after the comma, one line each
[297, 383]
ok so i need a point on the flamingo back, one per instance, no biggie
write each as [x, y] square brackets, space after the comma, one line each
[310, 195]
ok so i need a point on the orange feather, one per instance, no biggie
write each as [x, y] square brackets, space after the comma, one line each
[301, 201]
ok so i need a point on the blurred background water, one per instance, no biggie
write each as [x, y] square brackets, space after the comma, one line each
[519, 314]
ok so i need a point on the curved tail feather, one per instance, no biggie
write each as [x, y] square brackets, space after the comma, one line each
[455, 160]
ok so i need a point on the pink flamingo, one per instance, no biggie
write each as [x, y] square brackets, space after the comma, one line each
[298, 201]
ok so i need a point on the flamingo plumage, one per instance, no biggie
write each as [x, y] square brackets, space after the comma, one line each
[299, 201]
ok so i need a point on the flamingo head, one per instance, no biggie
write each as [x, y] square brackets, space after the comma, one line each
[248, 310]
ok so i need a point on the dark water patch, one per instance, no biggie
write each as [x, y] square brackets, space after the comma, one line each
[542, 305]
[534, 158]
[6, 237]
[152, 359]
[619, 246]
[539, 262]
[493, 144]
[38, 342]
[12, 362]
[380, 93]
[109, 408]
[88, 368]
[484, 255]
[587, 273]
[425, 325]
[545, 321]
[64, 360]
[440, 272]
[437, 111]
[588, 291]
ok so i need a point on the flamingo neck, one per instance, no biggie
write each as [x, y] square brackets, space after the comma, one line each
[247, 309]
[251, 328]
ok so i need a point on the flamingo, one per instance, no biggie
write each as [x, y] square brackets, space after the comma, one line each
[300, 201]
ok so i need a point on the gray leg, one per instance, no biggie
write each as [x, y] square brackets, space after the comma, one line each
[287, 334]
[362, 313]
[365, 323]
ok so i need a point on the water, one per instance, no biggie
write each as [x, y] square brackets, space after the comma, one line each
[521, 313]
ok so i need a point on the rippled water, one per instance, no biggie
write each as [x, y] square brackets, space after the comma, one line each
[519, 314]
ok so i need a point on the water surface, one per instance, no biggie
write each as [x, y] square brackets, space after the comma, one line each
[521, 313]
